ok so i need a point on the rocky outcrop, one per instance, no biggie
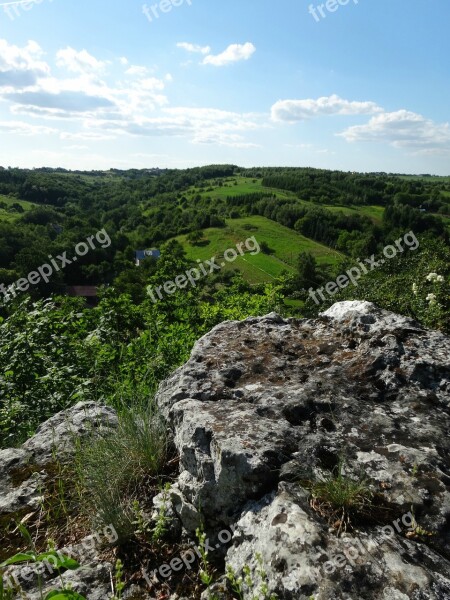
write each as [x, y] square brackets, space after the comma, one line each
[23, 470]
[263, 409]
[24, 474]
[266, 404]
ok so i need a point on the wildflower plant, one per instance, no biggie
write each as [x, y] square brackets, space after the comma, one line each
[430, 297]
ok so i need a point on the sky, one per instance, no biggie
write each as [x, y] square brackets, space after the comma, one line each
[354, 85]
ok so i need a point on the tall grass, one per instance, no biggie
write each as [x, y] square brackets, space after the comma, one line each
[112, 468]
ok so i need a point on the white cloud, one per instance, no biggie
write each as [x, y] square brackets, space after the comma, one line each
[201, 125]
[299, 110]
[21, 128]
[234, 53]
[76, 147]
[137, 70]
[79, 62]
[194, 48]
[403, 129]
[94, 109]
[21, 67]
[232, 140]
[26, 58]
[91, 136]
[150, 83]
[27, 84]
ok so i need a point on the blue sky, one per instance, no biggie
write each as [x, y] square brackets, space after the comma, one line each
[94, 84]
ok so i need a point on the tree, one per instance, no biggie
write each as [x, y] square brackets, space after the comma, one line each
[195, 237]
[307, 271]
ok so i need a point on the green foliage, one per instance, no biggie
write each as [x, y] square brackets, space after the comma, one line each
[118, 580]
[243, 586]
[402, 285]
[41, 371]
[341, 492]
[161, 521]
[307, 271]
[111, 467]
[339, 498]
[205, 572]
[57, 560]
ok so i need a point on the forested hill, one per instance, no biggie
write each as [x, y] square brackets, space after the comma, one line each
[46, 211]
[310, 227]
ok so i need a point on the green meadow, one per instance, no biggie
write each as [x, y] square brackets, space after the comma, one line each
[244, 185]
[9, 217]
[284, 244]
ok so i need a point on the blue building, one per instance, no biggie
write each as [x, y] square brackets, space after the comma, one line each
[143, 254]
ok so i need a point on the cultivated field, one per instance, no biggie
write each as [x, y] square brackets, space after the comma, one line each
[284, 243]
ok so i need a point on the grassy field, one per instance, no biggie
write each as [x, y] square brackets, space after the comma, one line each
[425, 178]
[373, 212]
[6, 216]
[285, 243]
[237, 186]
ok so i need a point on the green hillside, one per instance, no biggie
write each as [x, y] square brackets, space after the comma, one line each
[284, 243]
[5, 215]
[236, 186]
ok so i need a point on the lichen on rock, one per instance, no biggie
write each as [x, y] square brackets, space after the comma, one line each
[266, 402]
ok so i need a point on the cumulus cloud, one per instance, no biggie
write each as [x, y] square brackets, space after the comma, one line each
[79, 62]
[21, 128]
[234, 53]
[105, 106]
[201, 125]
[137, 70]
[21, 67]
[27, 84]
[195, 48]
[70, 101]
[403, 129]
[299, 110]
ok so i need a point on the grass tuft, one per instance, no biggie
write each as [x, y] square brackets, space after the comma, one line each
[114, 468]
[340, 499]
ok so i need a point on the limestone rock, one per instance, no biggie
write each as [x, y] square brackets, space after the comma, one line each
[268, 402]
[24, 473]
[23, 470]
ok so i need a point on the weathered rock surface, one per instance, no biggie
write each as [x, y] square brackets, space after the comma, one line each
[266, 402]
[24, 473]
[22, 470]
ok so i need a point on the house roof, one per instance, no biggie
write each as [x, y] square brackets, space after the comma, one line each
[85, 291]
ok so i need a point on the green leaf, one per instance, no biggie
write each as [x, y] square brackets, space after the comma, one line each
[26, 534]
[19, 558]
[58, 560]
[64, 595]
